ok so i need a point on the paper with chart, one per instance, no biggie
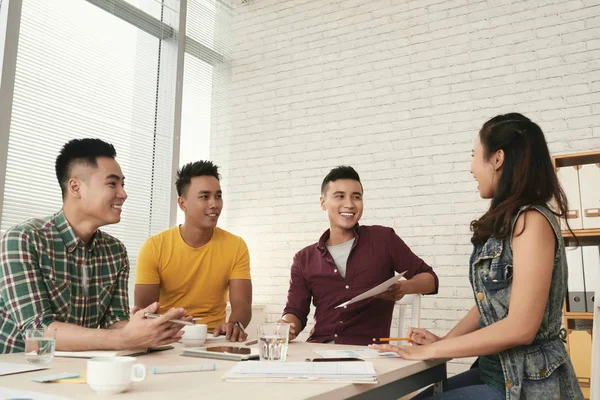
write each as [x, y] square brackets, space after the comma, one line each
[374, 291]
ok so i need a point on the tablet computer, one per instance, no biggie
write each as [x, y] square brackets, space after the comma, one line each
[232, 353]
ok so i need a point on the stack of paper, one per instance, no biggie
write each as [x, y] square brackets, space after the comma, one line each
[349, 372]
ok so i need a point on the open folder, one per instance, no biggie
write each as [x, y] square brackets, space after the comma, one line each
[382, 287]
[350, 372]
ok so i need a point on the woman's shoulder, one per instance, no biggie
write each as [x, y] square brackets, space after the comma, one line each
[537, 219]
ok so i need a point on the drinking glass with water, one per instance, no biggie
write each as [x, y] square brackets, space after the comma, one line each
[273, 341]
[39, 345]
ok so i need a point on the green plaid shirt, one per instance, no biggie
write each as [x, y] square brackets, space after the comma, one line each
[41, 279]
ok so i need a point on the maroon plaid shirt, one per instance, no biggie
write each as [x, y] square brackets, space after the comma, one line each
[377, 253]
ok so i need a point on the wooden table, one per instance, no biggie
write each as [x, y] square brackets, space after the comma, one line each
[396, 378]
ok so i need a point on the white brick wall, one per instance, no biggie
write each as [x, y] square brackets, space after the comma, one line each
[397, 89]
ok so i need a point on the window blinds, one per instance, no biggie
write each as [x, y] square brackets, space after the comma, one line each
[83, 72]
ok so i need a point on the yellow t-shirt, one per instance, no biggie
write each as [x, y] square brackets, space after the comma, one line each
[196, 279]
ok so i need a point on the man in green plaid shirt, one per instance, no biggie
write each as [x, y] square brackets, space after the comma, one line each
[62, 273]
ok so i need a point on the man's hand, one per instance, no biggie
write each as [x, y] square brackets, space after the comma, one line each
[395, 292]
[293, 334]
[135, 309]
[146, 332]
[232, 332]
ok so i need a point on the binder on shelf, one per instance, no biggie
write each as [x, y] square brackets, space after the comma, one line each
[589, 189]
[576, 285]
[569, 180]
[591, 268]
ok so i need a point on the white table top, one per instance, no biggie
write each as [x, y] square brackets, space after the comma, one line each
[183, 385]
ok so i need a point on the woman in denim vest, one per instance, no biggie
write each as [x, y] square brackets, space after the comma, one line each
[518, 272]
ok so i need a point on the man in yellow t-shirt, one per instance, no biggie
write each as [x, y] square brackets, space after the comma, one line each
[196, 265]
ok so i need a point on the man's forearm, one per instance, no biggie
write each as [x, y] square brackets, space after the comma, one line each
[118, 325]
[242, 314]
[423, 283]
[71, 337]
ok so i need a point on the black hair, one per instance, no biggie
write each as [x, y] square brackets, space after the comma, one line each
[85, 151]
[190, 170]
[341, 172]
[527, 178]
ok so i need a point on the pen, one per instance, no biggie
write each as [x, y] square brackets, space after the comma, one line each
[239, 325]
[171, 369]
[388, 339]
[175, 321]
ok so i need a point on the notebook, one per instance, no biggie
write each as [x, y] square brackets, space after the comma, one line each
[231, 353]
[111, 353]
[349, 372]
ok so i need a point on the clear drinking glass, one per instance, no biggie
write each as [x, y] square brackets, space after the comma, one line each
[273, 341]
[39, 345]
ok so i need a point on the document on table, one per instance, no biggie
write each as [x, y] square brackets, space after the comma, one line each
[357, 353]
[111, 353]
[382, 287]
[10, 368]
[22, 394]
[350, 372]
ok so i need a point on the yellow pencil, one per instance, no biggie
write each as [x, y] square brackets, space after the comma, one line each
[389, 339]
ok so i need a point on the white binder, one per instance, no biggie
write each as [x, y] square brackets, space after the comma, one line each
[569, 180]
[576, 285]
[589, 189]
[591, 268]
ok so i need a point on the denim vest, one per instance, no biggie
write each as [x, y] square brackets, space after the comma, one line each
[541, 370]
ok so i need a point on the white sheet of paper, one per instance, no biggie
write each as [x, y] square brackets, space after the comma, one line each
[357, 353]
[382, 287]
[359, 372]
[372, 353]
[10, 368]
[22, 394]
[211, 338]
[87, 354]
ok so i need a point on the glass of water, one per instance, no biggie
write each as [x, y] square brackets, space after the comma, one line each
[39, 345]
[273, 341]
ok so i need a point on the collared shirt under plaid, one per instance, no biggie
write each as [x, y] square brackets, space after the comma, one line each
[42, 279]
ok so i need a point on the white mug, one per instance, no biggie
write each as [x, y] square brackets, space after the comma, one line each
[113, 375]
[194, 335]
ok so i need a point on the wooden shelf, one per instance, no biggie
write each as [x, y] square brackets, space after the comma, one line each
[582, 233]
[567, 160]
[579, 315]
[571, 320]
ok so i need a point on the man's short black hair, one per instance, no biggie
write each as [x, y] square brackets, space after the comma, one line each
[341, 172]
[190, 170]
[84, 151]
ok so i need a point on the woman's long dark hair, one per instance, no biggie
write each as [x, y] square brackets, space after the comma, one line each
[527, 176]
